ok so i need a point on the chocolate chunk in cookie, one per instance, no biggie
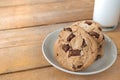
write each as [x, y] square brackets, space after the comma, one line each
[68, 29]
[65, 47]
[88, 22]
[99, 28]
[103, 37]
[94, 34]
[70, 37]
[79, 66]
[74, 53]
[98, 57]
[57, 54]
[83, 43]
[100, 46]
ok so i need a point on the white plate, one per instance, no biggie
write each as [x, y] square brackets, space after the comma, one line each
[98, 66]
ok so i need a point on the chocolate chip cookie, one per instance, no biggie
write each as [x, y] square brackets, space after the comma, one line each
[75, 49]
[94, 30]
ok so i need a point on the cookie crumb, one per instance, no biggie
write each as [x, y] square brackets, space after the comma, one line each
[73, 66]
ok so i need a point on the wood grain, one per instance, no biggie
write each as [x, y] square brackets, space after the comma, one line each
[21, 58]
[45, 13]
[20, 49]
[8, 3]
[51, 73]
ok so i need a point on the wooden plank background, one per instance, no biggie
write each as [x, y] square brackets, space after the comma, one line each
[55, 11]
[8, 3]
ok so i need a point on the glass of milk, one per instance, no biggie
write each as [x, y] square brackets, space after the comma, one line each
[107, 13]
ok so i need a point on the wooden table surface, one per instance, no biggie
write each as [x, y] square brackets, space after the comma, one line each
[23, 26]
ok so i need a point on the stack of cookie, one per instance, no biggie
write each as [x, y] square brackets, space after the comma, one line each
[79, 45]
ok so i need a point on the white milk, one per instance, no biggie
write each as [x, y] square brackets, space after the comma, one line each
[107, 13]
